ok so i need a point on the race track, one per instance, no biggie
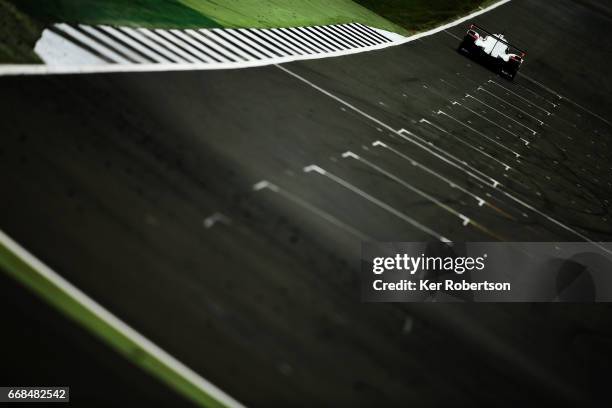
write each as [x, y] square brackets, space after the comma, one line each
[220, 214]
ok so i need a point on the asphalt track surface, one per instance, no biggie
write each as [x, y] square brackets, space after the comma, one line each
[111, 180]
[42, 347]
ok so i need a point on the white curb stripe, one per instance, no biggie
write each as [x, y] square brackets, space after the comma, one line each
[184, 46]
[145, 40]
[168, 45]
[135, 45]
[110, 42]
[103, 50]
[237, 44]
[200, 50]
[207, 49]
[222, 46]
[284, 36]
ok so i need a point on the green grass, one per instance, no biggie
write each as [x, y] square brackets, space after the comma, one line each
[421, 15]
[22, 21]
[138, 13]
[18, 35]
[30, 277]
[288, 13]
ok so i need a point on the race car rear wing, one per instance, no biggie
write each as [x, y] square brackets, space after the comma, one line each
[476, 28]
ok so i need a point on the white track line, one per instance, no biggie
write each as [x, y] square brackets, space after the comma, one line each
[502, 100]
[266, 185]
[316, 169]
[533, 132]
[527, 101]
[464, 219]
[468, 145]
[452, 163]
[537, 95]
[478, 132]
[480, 201]
[448, 158]
[107, 317]
[525, 141]
[541, 85]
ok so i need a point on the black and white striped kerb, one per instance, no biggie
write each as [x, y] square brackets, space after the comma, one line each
[125, 45]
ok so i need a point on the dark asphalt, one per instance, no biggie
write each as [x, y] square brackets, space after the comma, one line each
[109, 178]
[40, 347]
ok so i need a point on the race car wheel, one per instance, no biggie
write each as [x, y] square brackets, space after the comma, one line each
[465, 46]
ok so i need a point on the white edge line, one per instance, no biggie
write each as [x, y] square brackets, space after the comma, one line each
[117, 324]
[453, 23]
[41, 69]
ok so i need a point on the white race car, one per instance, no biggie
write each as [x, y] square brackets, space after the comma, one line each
[492, 50]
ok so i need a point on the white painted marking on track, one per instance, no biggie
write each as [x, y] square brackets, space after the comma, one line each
[525, 141]
[266, 185]
[447, 157]
[501, 113]
[467, 171]
[149, 348]
[537, 95]
[430, 171]
[566, 99]
[468, 145]
[478, 132]
[216, 218]
[407, 185]
[527, 101]
[505, 102]
[375, 201]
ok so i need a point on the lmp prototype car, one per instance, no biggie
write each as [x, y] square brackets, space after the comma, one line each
[492, 50]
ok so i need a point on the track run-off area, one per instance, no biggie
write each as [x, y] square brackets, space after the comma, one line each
[220, 213]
